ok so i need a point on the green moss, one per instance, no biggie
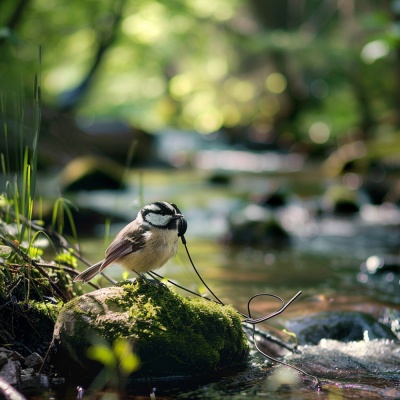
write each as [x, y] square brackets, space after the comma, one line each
[47, 311]
[172, 334]
[28, 326]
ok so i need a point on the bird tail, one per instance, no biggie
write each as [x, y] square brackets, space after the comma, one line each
[89, 273]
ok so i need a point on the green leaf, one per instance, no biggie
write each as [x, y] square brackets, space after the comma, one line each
[292, 334]
[34, 252]
[103, 354]
[5, 251]
[128, 360]
[66, 258]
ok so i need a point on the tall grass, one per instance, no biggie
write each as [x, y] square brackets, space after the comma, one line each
[20, 187]
[61, 209]
[24, 268]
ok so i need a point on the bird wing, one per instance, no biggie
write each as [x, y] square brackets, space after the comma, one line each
[124, 245]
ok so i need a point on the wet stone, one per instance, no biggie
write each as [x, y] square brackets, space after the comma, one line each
[14, 355]
[345, 326]
[10, 372]
[373, 365]
[31, 383]
[33, 360]
[3, 358]
[27, 371]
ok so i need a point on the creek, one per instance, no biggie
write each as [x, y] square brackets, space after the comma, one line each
[345, 262]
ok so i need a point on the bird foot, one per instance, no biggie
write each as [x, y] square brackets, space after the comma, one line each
[151, 281]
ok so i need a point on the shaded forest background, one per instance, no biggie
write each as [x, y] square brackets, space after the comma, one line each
[304, 75]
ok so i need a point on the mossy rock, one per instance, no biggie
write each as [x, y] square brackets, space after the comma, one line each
[256, 225]
[341, 200]
[172, 335]
[27, 327]
[91, 173]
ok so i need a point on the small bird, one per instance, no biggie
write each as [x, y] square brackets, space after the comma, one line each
[146, 243]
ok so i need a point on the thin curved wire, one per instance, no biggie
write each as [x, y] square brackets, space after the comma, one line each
[248, 318]
[197, 272]
[258, 320]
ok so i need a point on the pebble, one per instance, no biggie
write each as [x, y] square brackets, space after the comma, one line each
[23, 372]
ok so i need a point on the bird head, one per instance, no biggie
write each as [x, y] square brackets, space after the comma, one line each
[164, 215]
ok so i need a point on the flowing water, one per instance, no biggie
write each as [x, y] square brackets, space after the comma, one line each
[328, 258]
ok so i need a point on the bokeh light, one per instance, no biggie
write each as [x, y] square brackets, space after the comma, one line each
[374, 50]
[276, 83]
[319, 132]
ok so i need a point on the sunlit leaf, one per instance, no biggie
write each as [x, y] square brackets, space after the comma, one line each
[202, 290]
[35, 252]
[103, 354]
[66, 258]
[125, 275]
[292, 334]
[128, 360]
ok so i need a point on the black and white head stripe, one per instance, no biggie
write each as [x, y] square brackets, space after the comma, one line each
[160, 214]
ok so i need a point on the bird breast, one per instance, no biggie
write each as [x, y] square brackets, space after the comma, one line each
[161, 245]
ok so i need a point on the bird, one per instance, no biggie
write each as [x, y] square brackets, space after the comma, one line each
[146, 243]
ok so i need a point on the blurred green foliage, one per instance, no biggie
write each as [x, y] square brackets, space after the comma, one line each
[310, 70]
[119, 361]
